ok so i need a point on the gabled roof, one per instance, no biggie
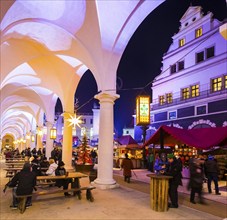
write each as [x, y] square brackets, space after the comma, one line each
[128, 141]
[202, 138]
[190, 12]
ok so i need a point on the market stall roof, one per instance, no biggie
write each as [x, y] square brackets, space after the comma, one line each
[203, 138]
[128, 141]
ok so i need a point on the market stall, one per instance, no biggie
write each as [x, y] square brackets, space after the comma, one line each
[189, 143]
[126, 144]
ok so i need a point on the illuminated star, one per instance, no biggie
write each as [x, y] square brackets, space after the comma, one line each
[74, 121]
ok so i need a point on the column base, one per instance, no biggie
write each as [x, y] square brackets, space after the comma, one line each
[98, 184]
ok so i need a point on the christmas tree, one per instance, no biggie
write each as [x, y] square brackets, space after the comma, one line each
[84, 152]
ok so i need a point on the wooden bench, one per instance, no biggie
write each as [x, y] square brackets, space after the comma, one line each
[21, 201]
[76, 192]
[76, 189]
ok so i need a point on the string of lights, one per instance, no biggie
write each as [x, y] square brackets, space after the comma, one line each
[142, 89]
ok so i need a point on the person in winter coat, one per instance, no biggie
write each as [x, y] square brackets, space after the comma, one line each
[211, 171]
[127, 168]
[53, 166]
[60, 171]
[196, 179]
[24, 183]
[160, 163]
[173, 169]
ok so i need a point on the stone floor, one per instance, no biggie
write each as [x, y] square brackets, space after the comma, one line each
[121, 203]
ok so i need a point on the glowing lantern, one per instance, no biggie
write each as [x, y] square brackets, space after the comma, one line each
[53, 133]
[142, 110]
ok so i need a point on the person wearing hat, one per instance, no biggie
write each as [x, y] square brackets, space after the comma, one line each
[173, 169]
[24, 183]
[60, 171]
[211, 171]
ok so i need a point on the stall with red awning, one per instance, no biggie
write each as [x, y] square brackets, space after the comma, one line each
[201, 138]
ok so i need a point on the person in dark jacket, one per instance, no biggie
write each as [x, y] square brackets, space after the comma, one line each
[196, 179]
[211, 171]
[25, 180]
[127, 168]
[60, 171]
[173, 169]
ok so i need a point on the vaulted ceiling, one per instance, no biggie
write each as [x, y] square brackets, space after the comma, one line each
[46, 48]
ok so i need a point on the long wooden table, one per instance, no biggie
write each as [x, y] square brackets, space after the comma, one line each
[75, 188]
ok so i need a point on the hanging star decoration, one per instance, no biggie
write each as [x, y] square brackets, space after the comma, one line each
[73, 120]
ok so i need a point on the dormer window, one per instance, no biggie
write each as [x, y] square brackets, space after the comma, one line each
[173, 68]
[181, 42]
[198, 32]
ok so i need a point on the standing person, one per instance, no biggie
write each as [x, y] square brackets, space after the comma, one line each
[160, 163]
[60, 171]
[25, 180]
[211, 172]
[127, 168]
[93, 156]
[196, 179]
[173, 169]
[150, 161]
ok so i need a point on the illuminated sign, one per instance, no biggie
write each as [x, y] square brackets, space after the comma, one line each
[142, 110]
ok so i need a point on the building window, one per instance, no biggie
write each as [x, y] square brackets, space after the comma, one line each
[181, 42]
[172, 115]
[169, 97]
[162, 100]
[216, 84]
[91, 121]
[201, 110]
[195, 90]
[199, 57]
[199, 32]
[83, 120]
[209, 52]
[185, 93]
[225, 81]
[180, 65]
[173, 69]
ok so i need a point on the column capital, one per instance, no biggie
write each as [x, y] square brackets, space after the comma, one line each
[107, 97]
[49, 124]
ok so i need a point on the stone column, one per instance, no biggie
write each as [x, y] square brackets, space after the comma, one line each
[105, 148]
[67, 142]
[49, 142]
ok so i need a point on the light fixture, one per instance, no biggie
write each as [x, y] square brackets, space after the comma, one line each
[33, 138]
[73, 120]
[143, 110]
[53, 133]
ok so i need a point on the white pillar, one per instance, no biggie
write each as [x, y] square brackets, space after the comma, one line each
[67, 142]
[49, 142]
[105, 148]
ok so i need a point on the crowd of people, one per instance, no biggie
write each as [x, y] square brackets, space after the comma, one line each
[36, 164]
[200, 170]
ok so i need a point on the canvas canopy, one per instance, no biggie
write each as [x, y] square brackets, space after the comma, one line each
[202, 138]
[128, 142]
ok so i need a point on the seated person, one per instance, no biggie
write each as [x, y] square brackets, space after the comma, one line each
[60, 171]
[53, 166]
[44, 165]
[24, 183]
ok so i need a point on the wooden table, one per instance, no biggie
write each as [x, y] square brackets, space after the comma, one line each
[159, 185]
[75, 188]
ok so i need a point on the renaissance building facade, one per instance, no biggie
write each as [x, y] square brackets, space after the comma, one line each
[191, 90]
